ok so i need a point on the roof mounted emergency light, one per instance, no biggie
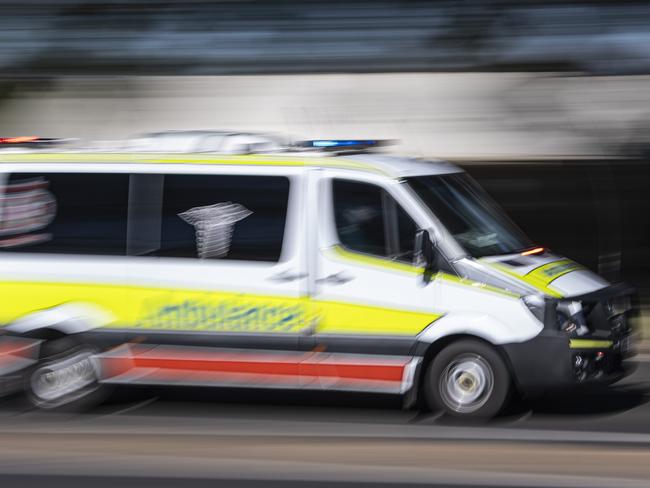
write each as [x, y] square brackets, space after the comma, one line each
[30, 141]
[337, 145]
[17, 140]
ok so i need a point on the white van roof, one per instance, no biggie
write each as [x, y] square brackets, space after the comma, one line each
[388, 165]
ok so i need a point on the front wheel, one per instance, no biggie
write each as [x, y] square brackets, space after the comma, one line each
[467, 379]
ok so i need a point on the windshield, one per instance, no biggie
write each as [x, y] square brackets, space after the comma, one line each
[469, 214]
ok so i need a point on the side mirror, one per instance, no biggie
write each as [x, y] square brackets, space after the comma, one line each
[425, 254]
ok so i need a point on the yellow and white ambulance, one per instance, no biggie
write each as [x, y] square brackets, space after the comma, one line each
[323, 266]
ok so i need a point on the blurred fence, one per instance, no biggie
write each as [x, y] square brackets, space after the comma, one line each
[48, 37]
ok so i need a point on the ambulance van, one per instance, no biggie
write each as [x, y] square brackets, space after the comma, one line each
[326, 267]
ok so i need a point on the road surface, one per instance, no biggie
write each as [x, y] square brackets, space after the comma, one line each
[243, 438]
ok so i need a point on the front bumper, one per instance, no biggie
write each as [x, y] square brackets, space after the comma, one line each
[551, 361]
[555, 360]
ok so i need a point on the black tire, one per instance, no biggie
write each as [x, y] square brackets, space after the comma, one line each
[59, 355]
[467, 379]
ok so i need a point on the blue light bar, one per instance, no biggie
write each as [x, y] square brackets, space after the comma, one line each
[343, 144]
[340, 143]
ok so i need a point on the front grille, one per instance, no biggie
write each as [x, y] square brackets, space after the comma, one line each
[609, 316]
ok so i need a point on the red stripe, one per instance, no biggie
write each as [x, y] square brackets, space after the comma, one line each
[282, 365]
[253, 367]
[353, 370]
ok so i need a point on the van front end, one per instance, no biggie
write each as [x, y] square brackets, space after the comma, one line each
[582, 323]
[588, 347]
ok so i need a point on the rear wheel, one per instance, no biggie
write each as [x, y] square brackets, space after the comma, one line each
[66, 377]
[467, 379]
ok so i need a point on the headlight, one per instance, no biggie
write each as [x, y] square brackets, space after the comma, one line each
[571, 318]
[537, 306]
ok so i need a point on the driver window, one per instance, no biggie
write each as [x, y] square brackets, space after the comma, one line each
[370, 221]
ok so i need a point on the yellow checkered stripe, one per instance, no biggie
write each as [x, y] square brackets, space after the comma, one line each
[201, 159]
[542, 277]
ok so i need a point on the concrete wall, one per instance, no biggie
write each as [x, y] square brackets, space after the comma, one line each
[446, 115]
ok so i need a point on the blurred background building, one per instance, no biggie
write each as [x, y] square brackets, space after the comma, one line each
[546, 103]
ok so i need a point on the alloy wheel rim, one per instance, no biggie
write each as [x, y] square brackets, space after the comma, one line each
[59, 380]
[466, 383]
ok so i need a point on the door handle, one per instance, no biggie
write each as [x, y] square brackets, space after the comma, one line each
[339, 278]
[287, 276]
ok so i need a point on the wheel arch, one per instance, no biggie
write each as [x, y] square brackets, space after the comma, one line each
[59, 321]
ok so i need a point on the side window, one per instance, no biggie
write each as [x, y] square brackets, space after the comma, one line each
[405, 236]
[223, 217]
[66, 213]
[359, 216]
[369, 220]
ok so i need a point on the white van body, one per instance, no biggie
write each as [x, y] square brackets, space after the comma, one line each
[327, 311]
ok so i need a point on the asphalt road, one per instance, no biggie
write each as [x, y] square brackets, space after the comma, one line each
[243, 438]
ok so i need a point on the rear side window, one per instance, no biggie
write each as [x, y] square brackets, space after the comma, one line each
[369, 220]
[208, 216]
[185, 216]
[67, 213]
